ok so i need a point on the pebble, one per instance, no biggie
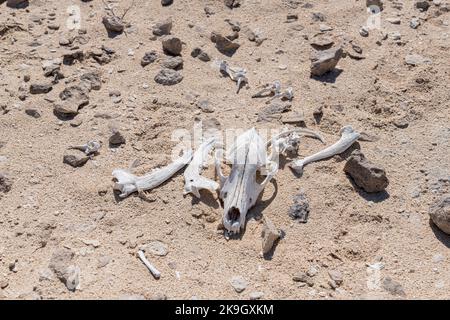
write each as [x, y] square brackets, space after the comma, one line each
[256, 295]
[75, 160]
[116, 139]
[149, 57]
[5, 183]
[174, 63]
[168, 77]
[414, 23]
[200, 54]
[172, 45]
[113, 24]
[416, 59]
[238, 283]
[166, 2]
[61, 265]
[336, 276]
[224, 45]
[393, 287]
[163, 28]
[205, 106]
[33, 113]
[364, 31]
[37, 88]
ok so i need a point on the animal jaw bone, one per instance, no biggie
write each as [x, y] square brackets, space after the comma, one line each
[88, 148]
[348, 137]
[240, 190]
[194, 182]
[235, 73]
[127, 183]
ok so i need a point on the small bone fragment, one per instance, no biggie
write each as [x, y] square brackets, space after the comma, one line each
[269, 89]
[127, 183]
[348, 137]
[194, 182]
[235, 73]
[270, 235]
[88, 148]
[149, 266]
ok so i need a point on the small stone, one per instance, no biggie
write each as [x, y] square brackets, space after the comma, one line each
[40, 88]
[300, 277]
[5, 183]
[93, 80]
[273, 111]
[325, 61]
[103, 261]
[232, 3]
[26, 78]
[365, 174]
[172, 45]
[238, 283]
[224, 45]
[270, 235]
[325, 28]
[437, 258]
[166, 2]
[168, 77]
[70, 57]
[364, 31]
[116, 139]
[394, 20]
[17, 3]
[312, 271]
[320, 42]
[174, 63]
[393, 287]
[336, 276]
[205, 106]
[439, 213]
[256, 295]
[318, 16]
[300, 209]
[414, 23]
[33, 113]
[415, 59]
[3, 283]
[52, 67]
[423, 5]
[60, 264]
[113, 24]
[157, 248]
[163, 28]
[200, 54]
[149, 57]
[75, 161]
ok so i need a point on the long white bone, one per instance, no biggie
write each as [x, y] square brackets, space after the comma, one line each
[194, 182]
[127, 183]
[348, 137]
[149, 266]
[235, 73]
[240, 190]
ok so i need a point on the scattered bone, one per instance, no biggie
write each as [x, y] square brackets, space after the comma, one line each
[240, 190]
[149, 266]
[270, 235]
[235, 73]
[348, 137]
[91, 147]
[274, 90]
[127, 183]
[370, 177]
[194, 182]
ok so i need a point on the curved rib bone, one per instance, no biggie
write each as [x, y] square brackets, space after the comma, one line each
[348, 137]
[194, 182]
[127, 183]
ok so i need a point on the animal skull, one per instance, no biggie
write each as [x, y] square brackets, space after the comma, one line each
[240, 190]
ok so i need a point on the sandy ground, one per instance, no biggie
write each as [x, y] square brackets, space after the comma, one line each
[52, 206]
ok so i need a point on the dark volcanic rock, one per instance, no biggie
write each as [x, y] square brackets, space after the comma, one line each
[440, 213]
[300, 209]
[172, 45]
[366, 175]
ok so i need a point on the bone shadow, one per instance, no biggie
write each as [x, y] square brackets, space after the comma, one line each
[440, 235]
[329, 77]
[207, 198]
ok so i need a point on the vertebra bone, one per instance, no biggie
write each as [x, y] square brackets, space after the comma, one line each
[235, 73]
[88, 148]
